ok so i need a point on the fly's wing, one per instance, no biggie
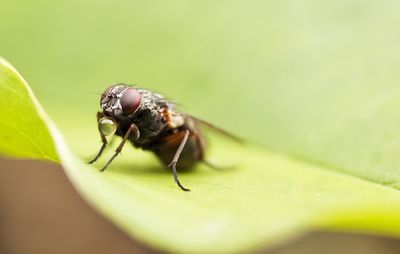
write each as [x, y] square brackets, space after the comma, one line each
[172, 113]
[217, 129]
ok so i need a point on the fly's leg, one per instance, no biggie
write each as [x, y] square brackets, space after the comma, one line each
[103, 146]
[176, 158]
[132, 128]
[103, 140]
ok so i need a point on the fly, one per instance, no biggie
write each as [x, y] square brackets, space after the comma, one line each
[149, 121]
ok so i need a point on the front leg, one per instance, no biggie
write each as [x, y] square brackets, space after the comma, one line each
[103, 140]
[132, 129]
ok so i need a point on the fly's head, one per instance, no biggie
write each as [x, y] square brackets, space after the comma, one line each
[117, 101]
[120, 101]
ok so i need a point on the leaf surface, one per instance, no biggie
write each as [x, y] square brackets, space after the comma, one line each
[267, 198]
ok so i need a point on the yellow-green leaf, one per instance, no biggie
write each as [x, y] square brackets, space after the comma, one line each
[267, 198]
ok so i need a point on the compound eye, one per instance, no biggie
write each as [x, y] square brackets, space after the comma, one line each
[107, 127]
[130, 101]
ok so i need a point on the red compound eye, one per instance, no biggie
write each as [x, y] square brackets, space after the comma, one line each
[130, 101]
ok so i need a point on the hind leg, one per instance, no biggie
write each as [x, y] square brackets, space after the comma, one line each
[174, 161]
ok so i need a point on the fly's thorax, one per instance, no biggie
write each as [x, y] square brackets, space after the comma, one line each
[150, 123]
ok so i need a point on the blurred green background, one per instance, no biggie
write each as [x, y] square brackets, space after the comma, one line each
[314, 79]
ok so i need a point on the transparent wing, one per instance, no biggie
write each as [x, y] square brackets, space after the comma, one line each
[217, 130]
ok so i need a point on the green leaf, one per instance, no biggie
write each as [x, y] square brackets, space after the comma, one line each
[267, 198]
[23, 132]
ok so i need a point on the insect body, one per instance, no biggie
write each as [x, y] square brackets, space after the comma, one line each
[148, 121]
